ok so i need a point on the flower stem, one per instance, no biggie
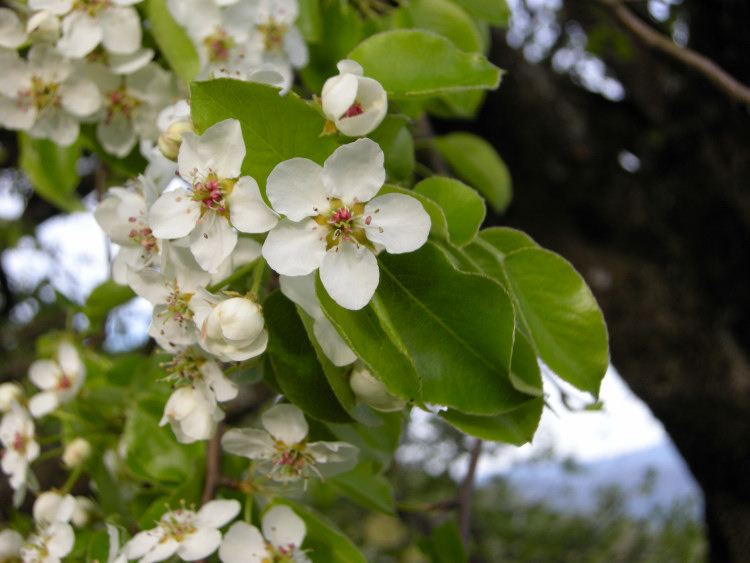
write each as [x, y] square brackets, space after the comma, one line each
[72, 478]
[234, 276]
[260, 269]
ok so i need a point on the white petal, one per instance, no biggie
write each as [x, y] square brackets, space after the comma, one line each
[285, 423]
[350, 66]
[247, 210]
[338, 95]
[216, 513]
[295, 249]
[116, 136]
[130, 62]
[43, 403]
[212, 241]
[282, 527]
[243, 543]
[350, 274]
[80, 96]
[70, 361]
[15, 118]
[44, 374]
[224, 388]
[12, 34]
[199, 545]
[81, 33]
[56, 125]
[59, 7]
[149, 284]
[61, 539]
[122, 29]
[248, 442]
[355, 172]
[332, 344]
[161, 551]
[301, 290]
[333, 457]
[180, 404]
[142, 543]
[220, 149]
[174, 214]
[295, 189]
[361, 124]
[401, 224]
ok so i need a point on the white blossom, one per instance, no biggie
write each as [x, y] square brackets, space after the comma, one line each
[54, 537]
[334, 223]
[183, 532]
[356, 104]
[10, 392]
[283, 534]
[59, 381]
[219, 198]
[17, 437]
[11, 543]
[283, 449]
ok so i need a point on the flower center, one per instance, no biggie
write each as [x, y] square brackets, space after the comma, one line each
[65, 382]
[143, 237]
[19, 442]
[179, 524]
[280, 554]
[344, 223]
[355, 109]
[177, 307]
[91, 7]
[40, 95]
[184, 366]
[211, 193]
[218, 45]
[273, 32]
[121, 102]
[289, 463]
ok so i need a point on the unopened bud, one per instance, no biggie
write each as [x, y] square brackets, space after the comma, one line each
[170, 141]
[84, 511]
[9, 392]
[76, 453]
[372, 391]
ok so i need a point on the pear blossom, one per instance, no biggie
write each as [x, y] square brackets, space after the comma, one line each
[301, 290]
[131, 105]
[218, 200]
[373, 391]
[333, 221]
[12, 33]
[183, 532]
[59, 381]
[283, 450]
[77, 452]
[10, 392]
[17, 437]
[45, 95]
[356, 104]
[54, 537]
[283, 533]
[87, 23]
[232, 329]
[11, 543]
[114, 555]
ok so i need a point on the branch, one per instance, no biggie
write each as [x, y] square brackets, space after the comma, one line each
[464, 514]
[213, 466]
[703, 65]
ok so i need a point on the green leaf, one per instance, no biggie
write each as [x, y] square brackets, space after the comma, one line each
[274, 128]
[295, 363]
[172, 40]
[326, 544]
[395, 139]
[493, 11]
[525, 374]
[376, 444]
[129, 166]
[367, 487]
[153, 453]
[444, 18]
[414, 63]
[476, 162]
[464, 104]
[104, 298]
[444, 545]
[457, 327]
[51, 170]
[309, 20]
[516, 427]
[565, 323]
[463, 208]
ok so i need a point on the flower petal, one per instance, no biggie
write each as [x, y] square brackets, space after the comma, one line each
[216, 513]
[174, 214]
[295, 249]
[251, 443]
[295, 189]
[81, 33]
[285, 423]
[247, 210]
[44, 374]
[243, 543]
[199, 545]
[282, 527]
[220, 149]
[121, 29]
[400, 223]
[338, 95]
[212, 241]
[350, 274]
[355, 172]
[332, 344]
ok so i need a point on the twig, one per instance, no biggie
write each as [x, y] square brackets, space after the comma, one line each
[213, 466]
[464, 510]
[705, 66]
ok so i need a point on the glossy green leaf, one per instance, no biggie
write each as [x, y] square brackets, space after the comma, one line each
[444, 18]
[395, 139]
[309, 20]
[377, 445]
[153, 453]
[326, 544]
[274, 128]
[463, 208]
[444, 545]
[295, 363]
[365, 335]
[51, 169]
[172, 40]
[457, 327]
[477, 163]
[525, 374]
[493, 11]
[464, 104]
[413, 63]
[565, 323]
[516, 427]
[104, 298]
[366, 487]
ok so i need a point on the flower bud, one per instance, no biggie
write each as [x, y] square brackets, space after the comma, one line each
[354, 103]
[372, 391]
[9, 392]
[84, 511]
[76, 453]
[170, 141]
[235, 330]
